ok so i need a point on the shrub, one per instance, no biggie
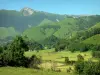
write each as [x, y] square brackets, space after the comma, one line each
[69, 62]
[80, 57]
[34, 61]
[87, 68]
[96, 54]
[79, 66]
[66, 60]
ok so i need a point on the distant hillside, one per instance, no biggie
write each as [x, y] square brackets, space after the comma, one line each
[63, 29]
[39, 25]
[45, 22]
[40, 33]
[85, 40]
[26, 18]
[94, 33]
[7, 32]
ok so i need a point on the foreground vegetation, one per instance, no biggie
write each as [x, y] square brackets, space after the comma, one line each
[27, 71]
[45, 67]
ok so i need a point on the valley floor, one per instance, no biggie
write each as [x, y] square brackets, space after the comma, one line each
[51, 58]
[25, 71]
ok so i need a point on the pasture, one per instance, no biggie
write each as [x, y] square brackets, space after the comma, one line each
[27, 71]
[51, 58]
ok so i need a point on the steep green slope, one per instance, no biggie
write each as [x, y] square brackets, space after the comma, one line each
[95, 40]
[67, 27]
[95, 26]
[45, 22]
[39, 33]
[34, 33]
[95, 35]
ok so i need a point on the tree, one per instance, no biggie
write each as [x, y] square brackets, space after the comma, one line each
[14, 53]
[33, 45]
[61, 45]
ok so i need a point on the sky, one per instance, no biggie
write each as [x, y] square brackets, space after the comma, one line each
[72, 7]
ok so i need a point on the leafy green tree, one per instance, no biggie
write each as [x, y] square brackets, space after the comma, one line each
[14, 53]
[33, 45]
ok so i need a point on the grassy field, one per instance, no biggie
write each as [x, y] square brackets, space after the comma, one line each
[25, 71]
[50, 57]
[57, 56]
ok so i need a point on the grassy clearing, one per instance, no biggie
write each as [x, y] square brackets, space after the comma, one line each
[58, 56]
[25, 71]
[49, 56]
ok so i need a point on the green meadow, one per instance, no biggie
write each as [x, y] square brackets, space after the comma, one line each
[50, 56]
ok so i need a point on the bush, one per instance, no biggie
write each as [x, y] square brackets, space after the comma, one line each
[96, 54]
[87, 68]
[34, 61]
[66, 60]
[79, 66]
[80, 57]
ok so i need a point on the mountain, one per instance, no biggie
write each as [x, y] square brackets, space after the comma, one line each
[39, 25]
[25, 18]
[63, 29]
[27, 11]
